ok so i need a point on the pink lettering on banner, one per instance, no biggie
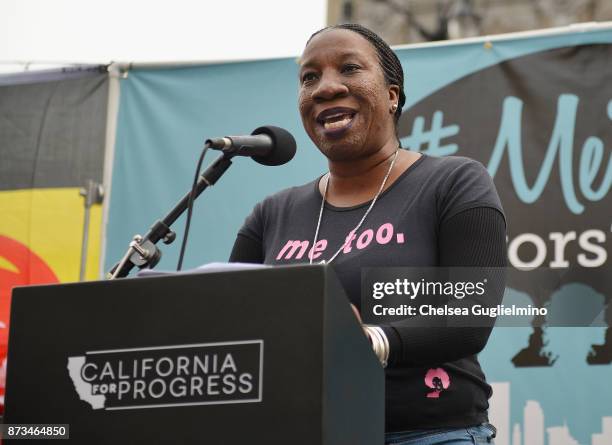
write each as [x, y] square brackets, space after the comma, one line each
[297, 250]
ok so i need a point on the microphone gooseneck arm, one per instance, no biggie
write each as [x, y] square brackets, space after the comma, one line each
[142, 251]
[267, 145]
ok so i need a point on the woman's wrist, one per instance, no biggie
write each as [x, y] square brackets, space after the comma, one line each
[379, 341]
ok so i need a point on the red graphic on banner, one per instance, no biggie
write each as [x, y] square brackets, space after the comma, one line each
[31, 269]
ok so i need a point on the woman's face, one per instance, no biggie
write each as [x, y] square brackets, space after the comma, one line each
[344, 100]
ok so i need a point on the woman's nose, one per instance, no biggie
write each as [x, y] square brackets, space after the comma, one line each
[329, 87]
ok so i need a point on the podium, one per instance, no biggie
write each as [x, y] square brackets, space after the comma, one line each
[270, 356]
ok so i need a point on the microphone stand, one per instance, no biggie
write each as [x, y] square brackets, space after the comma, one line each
[142, 251]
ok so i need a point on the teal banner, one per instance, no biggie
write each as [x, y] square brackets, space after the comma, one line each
[536, 111]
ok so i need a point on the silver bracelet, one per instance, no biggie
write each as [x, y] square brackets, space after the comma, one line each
[387, 347]
[376, 342]
[380, 343]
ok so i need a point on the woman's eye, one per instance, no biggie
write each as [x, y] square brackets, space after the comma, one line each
[350, 68]
[308, 77]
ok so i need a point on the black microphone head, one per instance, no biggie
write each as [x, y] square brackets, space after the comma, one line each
[283, 148]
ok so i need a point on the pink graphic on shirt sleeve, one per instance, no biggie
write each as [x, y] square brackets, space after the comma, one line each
[438, 380]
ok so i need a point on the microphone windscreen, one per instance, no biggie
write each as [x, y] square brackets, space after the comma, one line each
[283, 148]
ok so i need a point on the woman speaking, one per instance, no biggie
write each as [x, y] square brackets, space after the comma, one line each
[441, 212]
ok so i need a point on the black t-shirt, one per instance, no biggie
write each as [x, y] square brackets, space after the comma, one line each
[403, 229]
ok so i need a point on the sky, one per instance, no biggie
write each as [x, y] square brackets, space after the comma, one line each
[72, 31]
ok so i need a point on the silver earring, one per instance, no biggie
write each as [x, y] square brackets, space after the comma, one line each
[393, 108]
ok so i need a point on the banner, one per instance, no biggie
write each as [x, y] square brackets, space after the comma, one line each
[535, 110]
[542, 125]
[51, 143]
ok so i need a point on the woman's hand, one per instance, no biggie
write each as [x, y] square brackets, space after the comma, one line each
[358, 315]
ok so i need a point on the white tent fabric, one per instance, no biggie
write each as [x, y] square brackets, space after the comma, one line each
[69, 31]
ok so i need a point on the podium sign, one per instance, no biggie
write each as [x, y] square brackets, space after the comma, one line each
[259, 356]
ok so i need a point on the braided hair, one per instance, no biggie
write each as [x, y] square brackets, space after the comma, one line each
[389, 63]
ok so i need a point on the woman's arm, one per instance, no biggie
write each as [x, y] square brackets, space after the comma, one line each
[472, 238]
[246, 250]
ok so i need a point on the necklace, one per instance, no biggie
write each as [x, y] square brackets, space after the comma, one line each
[382, 186]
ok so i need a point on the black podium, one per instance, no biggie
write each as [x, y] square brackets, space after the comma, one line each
[269, 356]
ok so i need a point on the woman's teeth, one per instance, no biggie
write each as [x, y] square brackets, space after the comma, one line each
[337, 123]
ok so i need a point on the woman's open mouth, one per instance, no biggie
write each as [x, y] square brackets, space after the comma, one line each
[336, 121]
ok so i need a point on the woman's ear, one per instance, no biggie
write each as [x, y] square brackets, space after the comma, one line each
[393, 97]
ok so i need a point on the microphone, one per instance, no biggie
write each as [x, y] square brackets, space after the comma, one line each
[267, 145]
